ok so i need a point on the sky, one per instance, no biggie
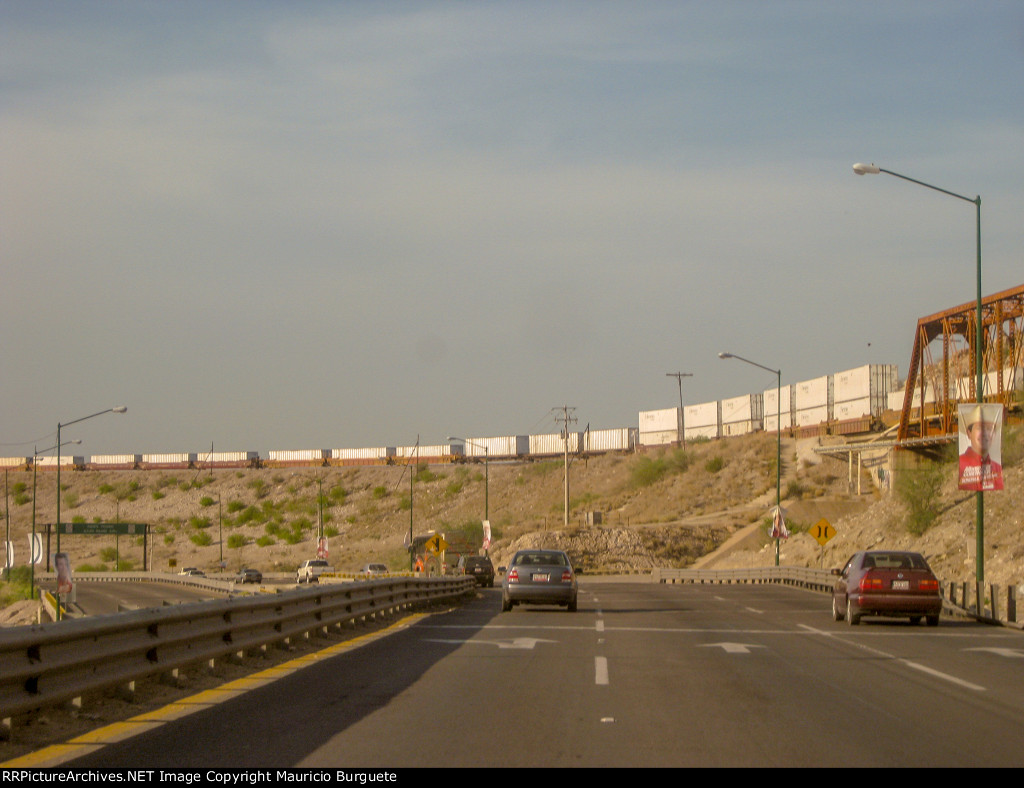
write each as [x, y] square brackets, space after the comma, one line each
[293, 225]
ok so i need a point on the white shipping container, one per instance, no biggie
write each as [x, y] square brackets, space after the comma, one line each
[298, 455]
[658, 438]
[704, 415]
[813, 393]
[622, 439]
[553, 444]
[708, 431]
[872, 380]
[771, 420]
[811, 417]
[895, 398]
[227, 456]
[504, 446]
[852, 409]
[443, 450]
[741, 427]
[771, 397]
[65, 460]
[1013, 380]
[115, 459]
[13, 462]
[747, 408]
[660, 420]
[163, 459]
[370, 453]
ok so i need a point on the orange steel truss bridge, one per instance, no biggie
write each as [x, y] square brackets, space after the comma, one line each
[935, 387]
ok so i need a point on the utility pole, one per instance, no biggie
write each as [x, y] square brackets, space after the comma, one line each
[682, 418]
[566, 418]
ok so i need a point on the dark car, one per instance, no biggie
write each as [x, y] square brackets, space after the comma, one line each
[539, 577]
[886, 583]
[478, 567]
[250, 576]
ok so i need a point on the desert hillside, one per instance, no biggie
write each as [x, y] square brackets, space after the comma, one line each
[665, 507]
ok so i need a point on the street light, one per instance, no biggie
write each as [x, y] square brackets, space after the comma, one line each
[778, 426]
[32, 544]
[115, 409]
[979, 529]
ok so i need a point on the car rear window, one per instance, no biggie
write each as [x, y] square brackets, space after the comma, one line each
[894, 561]
[540, 559]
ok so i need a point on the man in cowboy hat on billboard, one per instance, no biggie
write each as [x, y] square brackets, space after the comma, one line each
[980, 437]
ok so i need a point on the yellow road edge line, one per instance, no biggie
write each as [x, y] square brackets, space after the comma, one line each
[56, 754]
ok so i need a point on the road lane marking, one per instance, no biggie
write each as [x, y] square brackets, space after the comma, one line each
[601, 671]
[732, 648]
[915, 665]
[525, 644]
[1012, 653]
[939, 675]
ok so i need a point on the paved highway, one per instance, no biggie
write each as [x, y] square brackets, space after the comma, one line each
[643, 675]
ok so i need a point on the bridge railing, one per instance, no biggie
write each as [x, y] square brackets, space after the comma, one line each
[51, 664]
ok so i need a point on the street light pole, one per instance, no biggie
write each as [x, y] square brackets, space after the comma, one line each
[115, 409]
[35, 468]
[979, 529]
[778, 426]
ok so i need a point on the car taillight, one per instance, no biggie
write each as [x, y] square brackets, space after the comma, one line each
[870, 583]
[929, 584]
[513, 576]
[567, 576]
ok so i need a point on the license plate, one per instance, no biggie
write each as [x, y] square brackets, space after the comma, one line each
[539, 578]
[900, 585]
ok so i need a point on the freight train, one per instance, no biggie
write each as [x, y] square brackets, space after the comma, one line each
[859, 400]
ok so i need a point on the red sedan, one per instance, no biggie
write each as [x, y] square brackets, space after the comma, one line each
[886, 583]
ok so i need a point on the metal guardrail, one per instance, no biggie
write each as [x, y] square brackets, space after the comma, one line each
[804, 577]
[51, 664]
[959, 598]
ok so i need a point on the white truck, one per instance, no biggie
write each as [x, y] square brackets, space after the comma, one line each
[310, 571]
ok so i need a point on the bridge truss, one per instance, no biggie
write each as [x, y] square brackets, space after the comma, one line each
[935, 387]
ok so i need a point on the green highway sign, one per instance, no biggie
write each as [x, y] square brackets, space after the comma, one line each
[100, 529]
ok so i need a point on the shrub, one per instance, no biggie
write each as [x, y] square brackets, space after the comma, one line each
[206, 500]
[918, 487]
[236, 541]
[715, 464]
[201, 538]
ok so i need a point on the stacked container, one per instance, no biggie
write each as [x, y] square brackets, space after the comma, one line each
[660, 427]
[742, 415]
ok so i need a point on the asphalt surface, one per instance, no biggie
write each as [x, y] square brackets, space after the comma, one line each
[643, 675]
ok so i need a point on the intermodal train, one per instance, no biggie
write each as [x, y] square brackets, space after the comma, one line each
[859, 400]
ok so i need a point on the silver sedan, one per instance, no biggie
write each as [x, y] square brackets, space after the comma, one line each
[540, 577]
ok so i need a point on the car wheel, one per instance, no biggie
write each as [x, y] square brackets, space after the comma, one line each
[915, 620]
[932, 621]
[506, 605]
[571, 607]
[851, 618]
[836, 615]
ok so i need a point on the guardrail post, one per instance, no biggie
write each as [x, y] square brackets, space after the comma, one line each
[1011, 604]
[994, 596]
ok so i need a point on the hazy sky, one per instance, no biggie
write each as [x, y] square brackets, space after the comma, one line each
[292, 225]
